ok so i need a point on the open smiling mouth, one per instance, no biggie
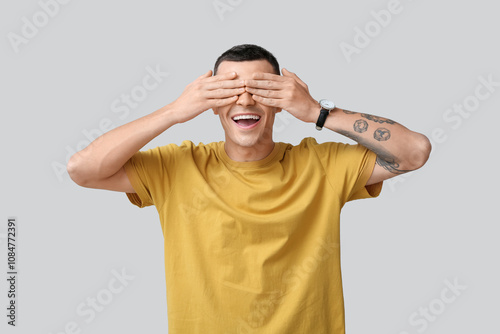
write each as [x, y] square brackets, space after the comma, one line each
[246, 121]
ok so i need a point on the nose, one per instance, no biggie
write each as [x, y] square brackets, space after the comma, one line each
[245, 99]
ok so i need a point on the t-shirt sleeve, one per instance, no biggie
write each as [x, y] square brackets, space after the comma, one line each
[348, 167]
[151, 173]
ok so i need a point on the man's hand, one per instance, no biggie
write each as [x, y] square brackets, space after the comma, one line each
[286, 92]
[101, 164]
[206, 92]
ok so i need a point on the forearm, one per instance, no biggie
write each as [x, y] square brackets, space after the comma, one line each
[398, 149]
[109, 152]
[392, 142]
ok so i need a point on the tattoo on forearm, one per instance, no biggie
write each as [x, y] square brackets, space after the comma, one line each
[379, 151]
[377, 119]
[360, 126]
[350, 135]
[382, 134]
[385, 159]
[391, 166]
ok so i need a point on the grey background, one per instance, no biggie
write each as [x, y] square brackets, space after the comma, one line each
[438, 223]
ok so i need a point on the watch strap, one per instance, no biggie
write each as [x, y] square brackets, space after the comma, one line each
[323, 114]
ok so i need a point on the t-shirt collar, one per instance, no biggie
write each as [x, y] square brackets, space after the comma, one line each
[270, 158]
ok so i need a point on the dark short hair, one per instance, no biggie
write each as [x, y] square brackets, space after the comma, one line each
[247, 52]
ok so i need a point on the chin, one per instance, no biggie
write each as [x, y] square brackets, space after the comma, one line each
[249, 141]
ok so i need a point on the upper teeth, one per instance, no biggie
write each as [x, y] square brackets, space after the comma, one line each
[236, 118]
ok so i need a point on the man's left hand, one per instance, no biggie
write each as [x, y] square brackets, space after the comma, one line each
[286, 92]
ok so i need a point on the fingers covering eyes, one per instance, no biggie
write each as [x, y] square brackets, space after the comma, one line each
[264, 92]
[225, 84]
[267, 84]
[223, 93]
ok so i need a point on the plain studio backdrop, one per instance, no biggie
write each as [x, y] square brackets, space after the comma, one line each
[423, 257]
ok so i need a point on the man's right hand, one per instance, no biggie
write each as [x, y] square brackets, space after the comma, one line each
[100, 165]
[206, 92]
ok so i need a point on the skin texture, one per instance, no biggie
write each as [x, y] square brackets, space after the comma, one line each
[100, 165]
[248, 87]
[247, 144]
[398, 149]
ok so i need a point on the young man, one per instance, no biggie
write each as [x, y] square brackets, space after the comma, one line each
[251, 227]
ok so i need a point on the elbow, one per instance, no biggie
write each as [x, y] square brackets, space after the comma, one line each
[420, 152]
[74, 169]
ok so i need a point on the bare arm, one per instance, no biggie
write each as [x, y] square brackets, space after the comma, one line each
[100, 165]
[398, 149]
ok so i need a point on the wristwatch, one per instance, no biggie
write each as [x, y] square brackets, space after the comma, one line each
[326, 107]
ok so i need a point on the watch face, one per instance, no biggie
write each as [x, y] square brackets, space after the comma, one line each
[327, 104]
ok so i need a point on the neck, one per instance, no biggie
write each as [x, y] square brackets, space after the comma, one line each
[248, 153]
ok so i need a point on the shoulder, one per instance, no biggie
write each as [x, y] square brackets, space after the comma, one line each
[189, 151]
[309, 144]
[172, 152]
[327, 153]
[200, 148]
[187, 146]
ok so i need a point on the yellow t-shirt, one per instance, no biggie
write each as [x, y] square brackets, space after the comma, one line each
[252, 247]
